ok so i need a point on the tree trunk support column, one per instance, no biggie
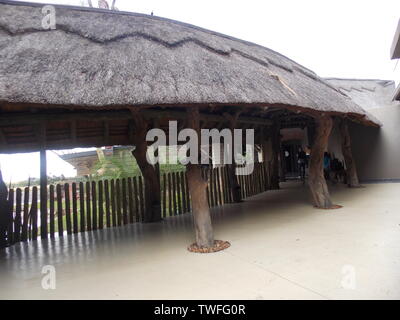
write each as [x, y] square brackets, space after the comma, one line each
[266, 148]
[351, 170]
[201, 211]
[276, 143]
[317, 182]
[151, 180]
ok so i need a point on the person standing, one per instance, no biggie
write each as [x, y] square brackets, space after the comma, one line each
[301, 160]
[327, 165]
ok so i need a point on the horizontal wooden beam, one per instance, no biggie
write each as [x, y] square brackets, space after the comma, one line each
[28, 119]
[78, 137]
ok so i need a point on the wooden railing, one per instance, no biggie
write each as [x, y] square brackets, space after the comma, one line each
[86, 206]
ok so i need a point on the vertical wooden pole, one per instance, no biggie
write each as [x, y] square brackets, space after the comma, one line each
[317, 183]
[43, 194]
[164, 196]
[4, 213]
[174, 193]
[197, 188]
[178, 192]
[107, 203]
[18, 218]
[124, 199]
[59, 211]
[137, 199]
[183, 189]
[169, 195]
[351, 170]
[10, 229]
[130, 200]
[52, 211]
[94, 205]
[118, 201]
[151, 178]
[113, 206]
[275, 136]
[211, 192]
[188, 200]
[101, 204]
[82, 207]
[75, 227]
[141, 198]
[234, 184]
[88, 207]
[34, 213]
[25, 222]
[67, 209]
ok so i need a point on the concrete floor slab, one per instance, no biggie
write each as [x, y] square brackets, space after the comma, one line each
[282, 248]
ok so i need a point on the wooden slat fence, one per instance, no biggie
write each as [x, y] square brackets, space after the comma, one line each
[80, 207]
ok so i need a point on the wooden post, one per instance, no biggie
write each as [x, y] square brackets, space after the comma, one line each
[232, 178]
[275, 143]
[282, 163]
[197, 188]
[5, 216]
[317, 183]
[157, 165]
[33, 214]
[351, 170]
[266, 147]
[151, 179]
[43, 194]
[25, 222]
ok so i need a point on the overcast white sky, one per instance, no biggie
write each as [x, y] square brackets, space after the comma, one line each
[341, 38]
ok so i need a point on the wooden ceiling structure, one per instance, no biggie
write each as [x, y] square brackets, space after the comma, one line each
[34, 128]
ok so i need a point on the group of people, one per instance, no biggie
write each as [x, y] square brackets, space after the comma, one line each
[333, 168]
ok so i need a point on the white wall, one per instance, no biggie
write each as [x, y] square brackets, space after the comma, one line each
[377, 151]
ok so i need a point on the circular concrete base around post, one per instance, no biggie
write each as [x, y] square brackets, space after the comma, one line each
[334, 206]
[218, 246]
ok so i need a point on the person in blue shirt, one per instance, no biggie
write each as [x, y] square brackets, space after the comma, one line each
[327, 165]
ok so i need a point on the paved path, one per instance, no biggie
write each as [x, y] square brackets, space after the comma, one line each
[282, 248]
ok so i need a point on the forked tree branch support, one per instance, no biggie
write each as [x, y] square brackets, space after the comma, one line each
[317, 182]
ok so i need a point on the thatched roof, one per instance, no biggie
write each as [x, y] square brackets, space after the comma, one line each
[97, 58]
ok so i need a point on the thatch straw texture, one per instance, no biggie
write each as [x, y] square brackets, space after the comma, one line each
[97, 58]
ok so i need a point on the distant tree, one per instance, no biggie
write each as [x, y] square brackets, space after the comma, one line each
[115, 166]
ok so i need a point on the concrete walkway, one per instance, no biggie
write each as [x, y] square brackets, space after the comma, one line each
[282, 248]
